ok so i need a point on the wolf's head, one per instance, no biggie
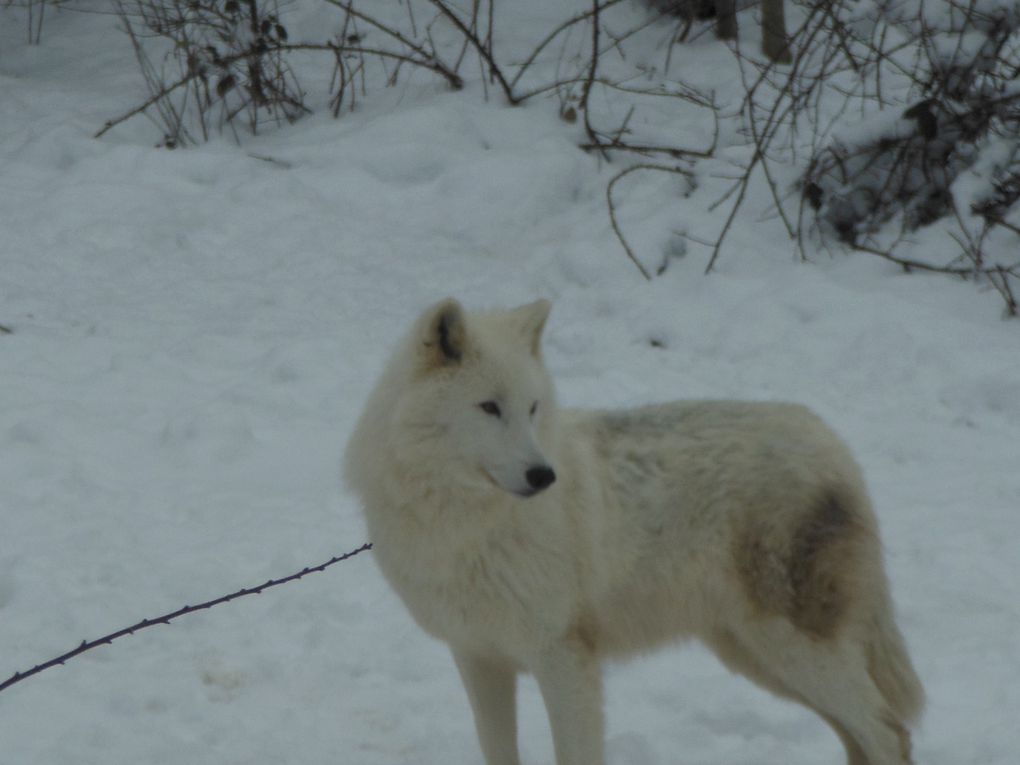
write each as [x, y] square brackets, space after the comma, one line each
[478, 407]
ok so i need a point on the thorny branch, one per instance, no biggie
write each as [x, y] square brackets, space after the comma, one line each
[88, 645]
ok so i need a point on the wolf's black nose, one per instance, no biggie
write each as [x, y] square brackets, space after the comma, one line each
[540, 477]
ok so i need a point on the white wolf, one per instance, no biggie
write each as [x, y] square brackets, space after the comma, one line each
[543, 540]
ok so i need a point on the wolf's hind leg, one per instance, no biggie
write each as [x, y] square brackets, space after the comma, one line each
[741, 661]
[491, 687]
[829, 676]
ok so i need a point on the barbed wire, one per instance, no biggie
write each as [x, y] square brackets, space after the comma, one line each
[88, 645]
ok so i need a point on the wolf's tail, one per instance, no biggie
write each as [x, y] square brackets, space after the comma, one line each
[890, 667]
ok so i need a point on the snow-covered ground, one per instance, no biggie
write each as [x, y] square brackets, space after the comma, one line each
[193, 333]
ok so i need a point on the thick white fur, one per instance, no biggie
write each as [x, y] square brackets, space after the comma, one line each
[746, 525]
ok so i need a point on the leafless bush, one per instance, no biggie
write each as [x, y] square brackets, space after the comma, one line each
[895, 104]
[906, 162]
[909, 167]
[227, 58]
[225, 62]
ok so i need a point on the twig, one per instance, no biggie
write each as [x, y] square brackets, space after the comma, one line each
[348, 7]
[593, 137]
[481, 47]
[1004, 288]
[88, 645]
[743, 183]
[688, 94]
[555, 33]
[909, 264]
[612, 207]
[999, 276]
[636, 148]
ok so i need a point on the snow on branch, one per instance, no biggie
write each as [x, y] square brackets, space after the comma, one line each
[903, 120]
[948, 157]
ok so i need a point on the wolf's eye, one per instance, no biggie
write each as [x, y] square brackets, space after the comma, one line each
[490, 407]
[534, 408]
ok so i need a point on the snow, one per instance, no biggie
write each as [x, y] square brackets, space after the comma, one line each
[193, 334]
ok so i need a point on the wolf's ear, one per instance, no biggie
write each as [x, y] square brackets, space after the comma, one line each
[444, 333]
[532, 318]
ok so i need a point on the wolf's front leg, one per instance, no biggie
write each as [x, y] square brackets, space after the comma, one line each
[491, 686]
[570, 678]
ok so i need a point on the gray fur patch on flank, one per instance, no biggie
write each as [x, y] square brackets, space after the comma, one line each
[805, 579]
[819, 592]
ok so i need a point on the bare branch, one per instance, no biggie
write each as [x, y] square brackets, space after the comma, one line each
[482, 49]
[612, 207]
